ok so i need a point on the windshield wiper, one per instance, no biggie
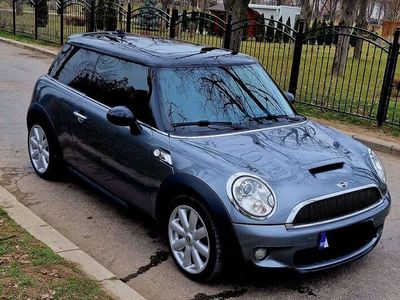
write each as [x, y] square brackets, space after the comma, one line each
[206, 123]
[291, 118]
[276, 118]
[266, 118]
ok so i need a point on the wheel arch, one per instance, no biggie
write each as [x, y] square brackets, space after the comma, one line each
[181, 183]
[37, 113]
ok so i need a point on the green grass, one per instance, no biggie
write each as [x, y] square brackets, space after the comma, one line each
[356, 92]
[28, 40]
[22, 280]
[74, 288]
[329, 115]
[29, 269]
[42, 256]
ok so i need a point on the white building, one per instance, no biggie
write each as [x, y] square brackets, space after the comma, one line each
[285, 12]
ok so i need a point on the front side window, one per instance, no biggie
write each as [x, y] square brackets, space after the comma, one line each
[78, 69]
[242, 94]
[118, 82]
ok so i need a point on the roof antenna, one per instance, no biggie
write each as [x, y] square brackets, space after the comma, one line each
[120, 33]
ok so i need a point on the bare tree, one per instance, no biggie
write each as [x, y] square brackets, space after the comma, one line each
[331, 7]
[165, 4]
[361, 22]
[238, 10]
[19, 7]
[343, 42]
[306, 10]
[392, 9]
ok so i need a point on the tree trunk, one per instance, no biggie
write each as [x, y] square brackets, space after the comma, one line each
[306, 11]
[238, 10]
[19, 7]
[343, 43]
[332, 9]
[361, 22]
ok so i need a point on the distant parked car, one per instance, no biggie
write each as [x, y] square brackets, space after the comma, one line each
[204, 141]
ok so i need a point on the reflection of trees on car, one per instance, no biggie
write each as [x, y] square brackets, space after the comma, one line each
[233, 94]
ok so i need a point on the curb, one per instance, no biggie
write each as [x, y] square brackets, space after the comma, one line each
[43, 232]
[34, 48]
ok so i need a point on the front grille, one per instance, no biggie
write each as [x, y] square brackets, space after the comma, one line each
[341, 242]
[337, 206]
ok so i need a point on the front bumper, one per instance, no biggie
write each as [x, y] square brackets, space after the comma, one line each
[286, 245]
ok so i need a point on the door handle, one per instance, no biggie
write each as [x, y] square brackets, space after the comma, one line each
[81, 118]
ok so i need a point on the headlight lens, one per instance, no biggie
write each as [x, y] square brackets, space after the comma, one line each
[252, 196]
[378, 165]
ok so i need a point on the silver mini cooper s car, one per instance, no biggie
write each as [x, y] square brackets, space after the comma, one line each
[204, 141]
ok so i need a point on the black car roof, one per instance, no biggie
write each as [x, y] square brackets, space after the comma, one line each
[158, 52]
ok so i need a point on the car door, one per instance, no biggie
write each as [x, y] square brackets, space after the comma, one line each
[70, 73]
[111, 155]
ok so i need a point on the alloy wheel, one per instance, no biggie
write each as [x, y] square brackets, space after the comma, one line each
[39, 149]
[189, 239]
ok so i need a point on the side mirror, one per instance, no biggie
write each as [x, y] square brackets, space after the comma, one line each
[123, 116]
[290, 97]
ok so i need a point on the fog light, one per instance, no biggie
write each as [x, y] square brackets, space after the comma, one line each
[260, 253]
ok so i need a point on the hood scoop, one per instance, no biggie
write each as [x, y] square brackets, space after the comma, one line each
[326, 168]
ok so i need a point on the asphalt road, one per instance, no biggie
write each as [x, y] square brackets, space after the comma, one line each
[132, 246]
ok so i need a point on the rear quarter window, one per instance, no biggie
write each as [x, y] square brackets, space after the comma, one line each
[76, 71]
[60, 60]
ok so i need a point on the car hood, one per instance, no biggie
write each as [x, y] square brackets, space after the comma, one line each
[299, 161]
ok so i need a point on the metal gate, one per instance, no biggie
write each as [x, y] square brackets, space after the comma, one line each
[343, 69]
[148, 21]
[271, 42]
[199, 27]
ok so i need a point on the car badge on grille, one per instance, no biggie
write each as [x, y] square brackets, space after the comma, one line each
[342, 184]
[323, 241]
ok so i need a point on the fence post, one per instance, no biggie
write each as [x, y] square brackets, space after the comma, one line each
[36, 18]
[128, 18]
[174, 18]
[228, 33]
[14, 17]
[298, 47]
[388, 79]
[61, 22]
[92, 16]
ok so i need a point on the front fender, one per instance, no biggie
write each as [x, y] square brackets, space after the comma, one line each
[178, 183]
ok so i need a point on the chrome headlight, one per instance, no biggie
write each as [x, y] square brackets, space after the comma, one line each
[251, 195]
[378, 165]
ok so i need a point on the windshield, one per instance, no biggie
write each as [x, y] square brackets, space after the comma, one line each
[222, 96]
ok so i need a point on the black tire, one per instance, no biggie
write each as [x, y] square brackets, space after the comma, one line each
[55, 161]
[214, 267]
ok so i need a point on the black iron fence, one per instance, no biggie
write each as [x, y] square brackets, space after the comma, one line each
[340, 68]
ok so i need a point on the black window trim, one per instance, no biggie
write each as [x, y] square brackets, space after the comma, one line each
[77, 47]
[102, 104]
